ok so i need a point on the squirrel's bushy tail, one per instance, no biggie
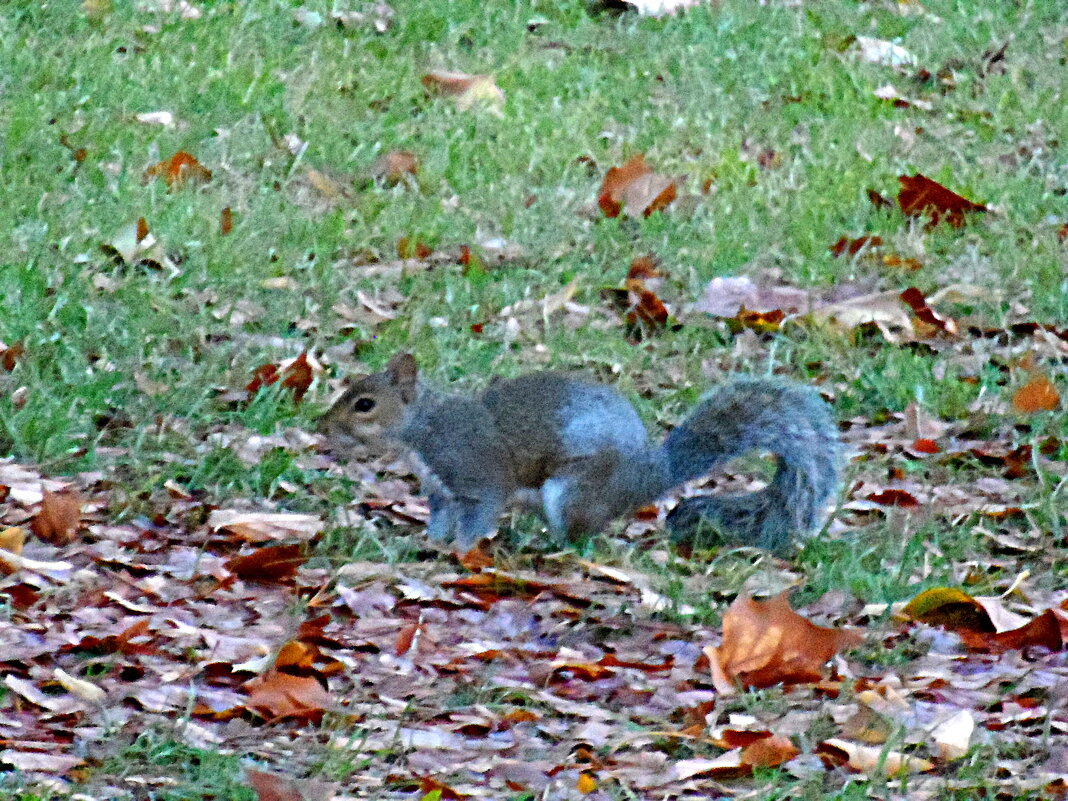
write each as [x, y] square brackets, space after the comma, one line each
[788, 420]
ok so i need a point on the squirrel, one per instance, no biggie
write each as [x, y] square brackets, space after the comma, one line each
[580, 450]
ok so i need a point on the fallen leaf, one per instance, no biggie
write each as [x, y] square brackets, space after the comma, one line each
[851, 247]
[85, 690]
[1038, 395]
[875, 761]
[295, 375]
[282, 696]
[392, 167]
[767, 643]
[12, 539]
[10, 355]
[920, 195]
[769, 752]
[164, 118]
[226, 221]
[467, 90]
[879, 51]
[273, 564]
[258, 527]
[954, 734]
[59, 518]
[277, 787]
[635, 190]
[179, 170]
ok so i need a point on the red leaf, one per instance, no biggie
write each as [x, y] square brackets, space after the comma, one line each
[920, 195]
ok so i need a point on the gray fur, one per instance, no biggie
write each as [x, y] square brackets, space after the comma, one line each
[581, 449]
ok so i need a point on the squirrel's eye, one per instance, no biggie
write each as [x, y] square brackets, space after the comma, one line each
[363, 404]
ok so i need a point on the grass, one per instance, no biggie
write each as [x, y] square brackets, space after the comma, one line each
[125, 367]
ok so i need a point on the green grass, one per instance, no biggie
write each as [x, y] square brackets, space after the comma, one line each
[700, 95]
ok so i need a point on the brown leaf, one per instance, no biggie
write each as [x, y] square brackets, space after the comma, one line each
[390, 168]
[265, 526]
[467, 90]
[274, 564]
[180, 169]
[280, 696]
[59, 518]
[10, 355]
[918, 303]
[1045, 630]
[1037, 395]
[920, 195]
[767, 643]
[634, 189]
[226, 221]
[852, 247]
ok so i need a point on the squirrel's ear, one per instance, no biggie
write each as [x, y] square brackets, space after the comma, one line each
[403, 374]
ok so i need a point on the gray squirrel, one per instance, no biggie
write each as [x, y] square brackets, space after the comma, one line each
[582, 452]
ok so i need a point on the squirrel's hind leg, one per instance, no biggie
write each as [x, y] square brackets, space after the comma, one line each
[444, 514]
[477, 518]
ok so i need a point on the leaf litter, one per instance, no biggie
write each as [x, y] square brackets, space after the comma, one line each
[154, 619]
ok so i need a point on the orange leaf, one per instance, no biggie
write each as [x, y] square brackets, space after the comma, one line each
[1037, 395]
[274, 564]
[179, 169]
[59, 518]
[297, 655]
[635, 189]
[920, 195]
[295, 375]
[767, 643]
[586, 784]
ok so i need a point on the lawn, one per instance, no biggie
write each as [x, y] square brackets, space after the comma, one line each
[127, 350]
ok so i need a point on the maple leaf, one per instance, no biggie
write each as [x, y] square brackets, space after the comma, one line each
[767, 643]
[920, 195]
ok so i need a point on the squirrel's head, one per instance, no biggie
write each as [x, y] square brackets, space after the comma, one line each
[364, 419]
